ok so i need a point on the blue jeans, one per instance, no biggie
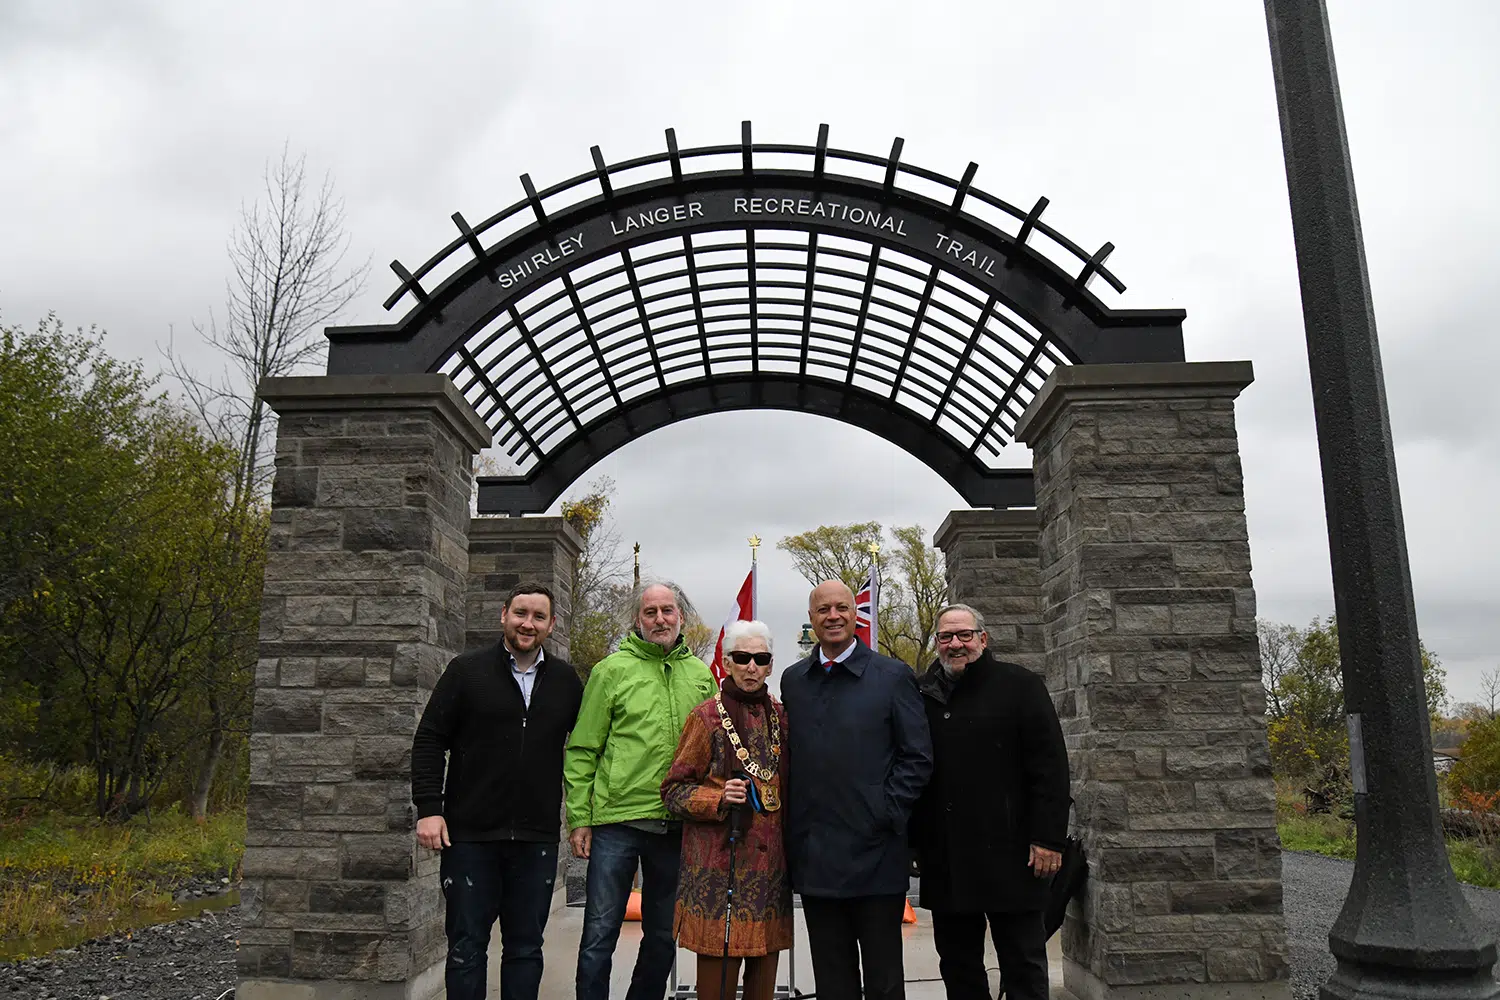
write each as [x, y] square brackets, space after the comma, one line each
[613, 856]
[506, 879]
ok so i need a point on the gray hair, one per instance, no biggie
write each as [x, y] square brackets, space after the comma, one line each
[735, 631]
[978, 618]
[684, 606]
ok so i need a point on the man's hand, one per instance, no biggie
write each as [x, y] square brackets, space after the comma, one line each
[734, 792]
[432, 832]
[1044, 863]
[581, 840]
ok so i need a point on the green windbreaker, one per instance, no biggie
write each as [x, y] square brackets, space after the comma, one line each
[634, 707]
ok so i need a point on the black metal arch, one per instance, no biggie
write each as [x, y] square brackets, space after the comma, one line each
[640, 294]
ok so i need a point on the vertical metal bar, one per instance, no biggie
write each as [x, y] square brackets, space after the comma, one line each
[1405, 928]
[893, 163]
[541, 362]
[590, 336]
[499, 398]
[640, 309]
[692, 270]
[963, 359]
[864, 312]
[916, 329]
[754, 305]
[962, 191]
[807, 299]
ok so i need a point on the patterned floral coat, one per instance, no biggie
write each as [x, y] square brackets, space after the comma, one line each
[762, 891]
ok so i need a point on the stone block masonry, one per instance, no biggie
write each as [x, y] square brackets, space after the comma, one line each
[1148, 612]
[364, 603]
[506, 551]
[992, 565]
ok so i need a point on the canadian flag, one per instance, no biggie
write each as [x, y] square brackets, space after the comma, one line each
[867, 610]
[743, 611]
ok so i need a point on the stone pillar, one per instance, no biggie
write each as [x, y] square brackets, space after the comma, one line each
[991, 557]
[1150, 631]
[505, 551]
[363, 606]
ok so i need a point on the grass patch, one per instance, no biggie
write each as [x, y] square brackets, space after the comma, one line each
[1324, 834]
[1474, 862]
[60, 872]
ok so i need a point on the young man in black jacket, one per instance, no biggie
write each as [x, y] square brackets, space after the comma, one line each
[502, 714]
[990, 827]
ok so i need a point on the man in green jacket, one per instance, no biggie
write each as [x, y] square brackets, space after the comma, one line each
[634, 707]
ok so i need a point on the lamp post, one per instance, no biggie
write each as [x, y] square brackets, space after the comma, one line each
[1405, 929]
[806, 641]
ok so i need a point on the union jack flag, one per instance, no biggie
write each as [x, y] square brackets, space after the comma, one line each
[867, 610]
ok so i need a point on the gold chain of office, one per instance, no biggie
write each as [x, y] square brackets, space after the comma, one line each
[763, 773]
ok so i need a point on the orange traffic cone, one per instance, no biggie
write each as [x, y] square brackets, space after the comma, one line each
[633, 906]
[910, 916]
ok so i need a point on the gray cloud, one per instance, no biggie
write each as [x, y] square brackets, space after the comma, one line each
[132, 133]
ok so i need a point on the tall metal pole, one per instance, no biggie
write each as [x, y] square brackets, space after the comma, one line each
[1405, 929]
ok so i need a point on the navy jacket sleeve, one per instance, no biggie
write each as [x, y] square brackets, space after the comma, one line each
[912, 764]
[433, 738]
[1044, 765]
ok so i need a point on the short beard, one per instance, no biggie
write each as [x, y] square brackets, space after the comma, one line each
[954, 667]
[664, 645]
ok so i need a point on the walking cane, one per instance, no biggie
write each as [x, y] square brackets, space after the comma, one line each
[736, 816]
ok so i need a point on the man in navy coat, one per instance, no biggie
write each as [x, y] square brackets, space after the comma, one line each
[859, 755]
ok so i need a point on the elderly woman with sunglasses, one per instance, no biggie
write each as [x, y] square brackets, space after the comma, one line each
[728, 760]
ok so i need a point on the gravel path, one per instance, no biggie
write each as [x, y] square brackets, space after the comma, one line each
[1314, 890]
[194, 959]
[185, 960]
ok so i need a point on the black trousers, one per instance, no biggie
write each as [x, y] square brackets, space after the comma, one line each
[1020, 945]
[844, 934]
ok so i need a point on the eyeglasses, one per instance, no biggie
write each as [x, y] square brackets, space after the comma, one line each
[741, 657]
[962, 635]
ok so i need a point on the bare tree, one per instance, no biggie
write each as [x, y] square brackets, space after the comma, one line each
[287, 254]
[1279, 644]
[290, 279]
[1489, 692]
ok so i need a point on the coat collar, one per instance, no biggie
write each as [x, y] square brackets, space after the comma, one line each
[936, 684]
[855, 664]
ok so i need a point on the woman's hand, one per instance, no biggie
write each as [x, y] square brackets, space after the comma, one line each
[735, 792]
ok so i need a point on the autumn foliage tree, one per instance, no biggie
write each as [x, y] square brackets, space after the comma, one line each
[116, 532]
[1307, 726]
[913, 586]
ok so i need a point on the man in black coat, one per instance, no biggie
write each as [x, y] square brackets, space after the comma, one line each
[502, 714]
[990, 827]
[858, 755]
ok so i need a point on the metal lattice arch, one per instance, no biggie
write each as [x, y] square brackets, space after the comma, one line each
[754, 276]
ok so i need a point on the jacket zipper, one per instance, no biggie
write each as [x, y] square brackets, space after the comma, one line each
[525, 717]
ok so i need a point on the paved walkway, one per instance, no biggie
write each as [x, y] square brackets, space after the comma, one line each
[566, 924]
[1315, 890]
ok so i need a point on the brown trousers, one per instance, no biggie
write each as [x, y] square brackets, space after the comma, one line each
[760, 977]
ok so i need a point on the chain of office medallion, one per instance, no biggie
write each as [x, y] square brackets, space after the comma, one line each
[763, 773]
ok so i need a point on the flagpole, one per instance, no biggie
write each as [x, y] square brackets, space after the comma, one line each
[874, 549]
[754, 541]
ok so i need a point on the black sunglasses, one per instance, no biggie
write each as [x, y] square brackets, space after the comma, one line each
[741, 657]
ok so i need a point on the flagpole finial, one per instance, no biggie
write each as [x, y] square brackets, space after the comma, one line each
[754, 541]
[637, 564]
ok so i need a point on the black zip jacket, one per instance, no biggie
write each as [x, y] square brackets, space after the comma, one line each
[504, 760]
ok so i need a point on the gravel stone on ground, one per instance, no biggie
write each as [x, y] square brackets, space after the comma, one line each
[184, 960]
[1314, 888]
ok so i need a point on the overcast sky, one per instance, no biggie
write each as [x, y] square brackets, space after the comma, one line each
[130, 133]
